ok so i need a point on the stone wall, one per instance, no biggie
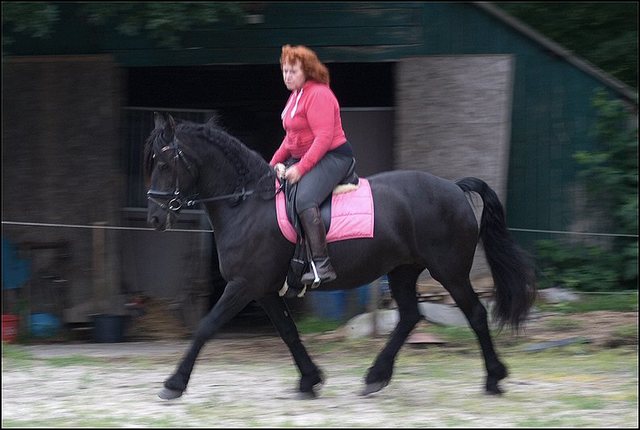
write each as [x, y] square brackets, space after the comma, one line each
[453, 120]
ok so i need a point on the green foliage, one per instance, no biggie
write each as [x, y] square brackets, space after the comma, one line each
[33, 18]
[163, 22]
[611, 179]
[579, 267]
[612, 173]
[604, 33]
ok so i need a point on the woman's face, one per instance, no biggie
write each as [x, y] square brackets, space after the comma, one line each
[293, 75]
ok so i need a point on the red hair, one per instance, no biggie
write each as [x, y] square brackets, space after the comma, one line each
[311, 65]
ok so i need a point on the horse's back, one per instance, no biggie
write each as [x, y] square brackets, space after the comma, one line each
[422, 190]
[408, 179]
[435, 208]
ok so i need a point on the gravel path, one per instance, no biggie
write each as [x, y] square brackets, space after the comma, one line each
[250, 383]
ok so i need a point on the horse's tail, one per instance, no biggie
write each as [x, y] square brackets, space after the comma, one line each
[511, 267]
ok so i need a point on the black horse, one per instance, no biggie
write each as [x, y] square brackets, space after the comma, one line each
[421, 222]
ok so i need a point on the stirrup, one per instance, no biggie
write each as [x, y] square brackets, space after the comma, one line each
[289, 293]
[313, 271]
[316, 278]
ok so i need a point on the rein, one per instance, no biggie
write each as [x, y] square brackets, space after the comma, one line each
[174, 201]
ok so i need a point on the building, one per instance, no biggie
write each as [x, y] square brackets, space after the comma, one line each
[454, 88]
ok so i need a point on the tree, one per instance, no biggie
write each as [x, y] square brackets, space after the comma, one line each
[603, 33]
[163, 22]
[610, 175]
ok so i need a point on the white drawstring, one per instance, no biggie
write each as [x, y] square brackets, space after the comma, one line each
[295, 107]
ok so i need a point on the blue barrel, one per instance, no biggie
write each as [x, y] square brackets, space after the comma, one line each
[44, 325]
[334, 305]
[108, 328]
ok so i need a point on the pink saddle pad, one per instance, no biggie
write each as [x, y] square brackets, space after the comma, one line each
[351, 215]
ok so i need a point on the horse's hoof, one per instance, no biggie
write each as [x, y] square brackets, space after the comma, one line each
[374, 387]
[494, 392]
[167, 394]
[308, 395]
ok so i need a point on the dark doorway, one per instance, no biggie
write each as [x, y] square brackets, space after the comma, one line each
[247, 101]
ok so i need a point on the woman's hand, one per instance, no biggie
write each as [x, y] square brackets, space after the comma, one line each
[292, 174]
[280, 170]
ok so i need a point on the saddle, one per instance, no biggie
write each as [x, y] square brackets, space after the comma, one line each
[301, 257]
[349, 182]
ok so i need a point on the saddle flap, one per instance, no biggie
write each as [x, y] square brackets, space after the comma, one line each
[350, 178]
[290, 202]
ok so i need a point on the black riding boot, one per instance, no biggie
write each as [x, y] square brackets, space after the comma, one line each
[316, 236]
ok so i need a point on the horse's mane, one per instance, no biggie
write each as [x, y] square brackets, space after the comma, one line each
[248, 164]
[148, 153]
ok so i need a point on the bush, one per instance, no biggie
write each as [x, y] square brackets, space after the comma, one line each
[611, 180]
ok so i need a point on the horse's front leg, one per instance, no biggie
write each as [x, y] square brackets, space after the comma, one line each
[278, 311]
[232, 301]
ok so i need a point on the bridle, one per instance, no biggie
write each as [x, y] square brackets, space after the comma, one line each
[174, 201]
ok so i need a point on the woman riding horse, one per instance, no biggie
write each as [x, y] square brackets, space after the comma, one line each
[315, 149]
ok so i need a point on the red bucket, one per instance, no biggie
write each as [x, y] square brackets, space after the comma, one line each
[9, 328]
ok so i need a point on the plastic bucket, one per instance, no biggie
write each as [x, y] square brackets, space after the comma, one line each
[108, 328]
[9, 328]
[329, 305]
[44, 325]
[339, 305]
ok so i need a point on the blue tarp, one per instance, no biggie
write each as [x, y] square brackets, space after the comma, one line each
[15, 270]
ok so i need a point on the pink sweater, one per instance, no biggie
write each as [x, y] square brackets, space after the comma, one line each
[313, 126]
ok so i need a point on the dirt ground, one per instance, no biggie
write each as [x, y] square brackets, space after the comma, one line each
[244, 381]
[600, 328]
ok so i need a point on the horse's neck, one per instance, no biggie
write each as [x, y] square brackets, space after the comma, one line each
[232, 219]
[221, 173]
[219, 176]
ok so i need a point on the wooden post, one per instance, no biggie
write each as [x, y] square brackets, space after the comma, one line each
[100, 293]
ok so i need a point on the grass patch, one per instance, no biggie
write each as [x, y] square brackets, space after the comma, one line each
[452, 333]
[74, 360]
[583, 402]
[629, 332]
[547, 422]
[314, 325]
[562, 324]
[616, 302]
[15, 354]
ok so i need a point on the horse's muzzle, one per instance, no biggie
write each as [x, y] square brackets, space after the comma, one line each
[161, 223]
[155, 222]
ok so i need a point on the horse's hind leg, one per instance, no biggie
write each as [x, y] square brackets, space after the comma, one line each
[402, 282]
[469, 303]
[278, 311]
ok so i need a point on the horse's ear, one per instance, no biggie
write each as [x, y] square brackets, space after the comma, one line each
[213, 121]
[166, 122]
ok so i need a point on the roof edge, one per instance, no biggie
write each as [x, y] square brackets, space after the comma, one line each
[582, 64]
